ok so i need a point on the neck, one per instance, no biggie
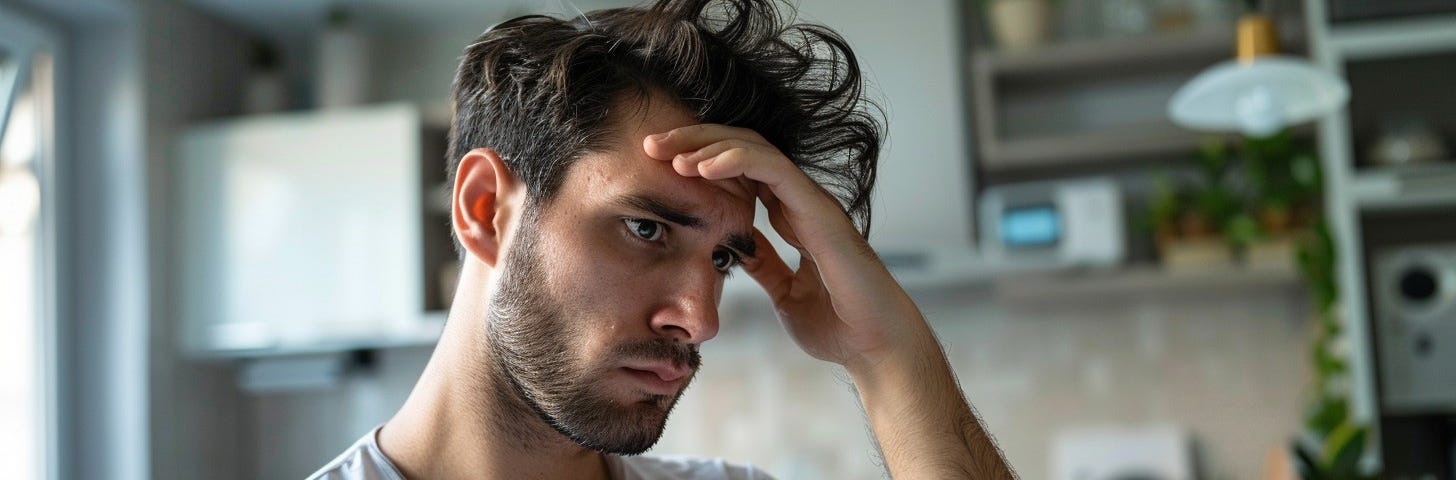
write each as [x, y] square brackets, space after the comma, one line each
[462, 420]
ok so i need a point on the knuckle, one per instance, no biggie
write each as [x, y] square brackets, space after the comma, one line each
[735, 144]
[736, 155]
[748, 133]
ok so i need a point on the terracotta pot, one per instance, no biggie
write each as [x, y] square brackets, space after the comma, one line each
[1194, 225]
[1276, 220]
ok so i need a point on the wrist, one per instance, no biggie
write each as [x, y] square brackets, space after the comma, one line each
[907, 358]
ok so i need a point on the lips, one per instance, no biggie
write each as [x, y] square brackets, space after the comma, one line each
[660, 377]
[666, 371]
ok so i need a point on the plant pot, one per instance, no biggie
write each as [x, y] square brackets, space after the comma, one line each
[1191, 254]
[1018, 24]
[1195, 225]
[1276, 220]
[1274, 253]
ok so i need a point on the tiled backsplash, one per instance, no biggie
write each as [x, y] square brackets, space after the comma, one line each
[1230, 368]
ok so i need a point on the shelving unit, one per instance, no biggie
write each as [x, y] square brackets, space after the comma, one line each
[1156, 63]
[1361, 197]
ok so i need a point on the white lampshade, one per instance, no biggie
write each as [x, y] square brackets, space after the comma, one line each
[1257, 97]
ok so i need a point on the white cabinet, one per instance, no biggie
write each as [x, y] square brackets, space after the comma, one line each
[300, 231]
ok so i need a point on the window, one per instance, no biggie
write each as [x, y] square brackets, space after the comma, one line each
[25, 313]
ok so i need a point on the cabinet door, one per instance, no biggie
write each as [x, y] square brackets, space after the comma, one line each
[300, 229]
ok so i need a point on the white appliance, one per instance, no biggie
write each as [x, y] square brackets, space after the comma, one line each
[1415, 323]
[1063, 222]
[1122, 453]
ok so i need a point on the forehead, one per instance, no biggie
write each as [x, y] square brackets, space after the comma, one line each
[623, 167]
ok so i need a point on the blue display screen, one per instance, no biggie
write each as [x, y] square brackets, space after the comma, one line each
[1031, 226]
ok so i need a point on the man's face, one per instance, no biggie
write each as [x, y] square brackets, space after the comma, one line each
[610, 287]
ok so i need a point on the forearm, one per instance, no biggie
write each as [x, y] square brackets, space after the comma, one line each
[924, 426]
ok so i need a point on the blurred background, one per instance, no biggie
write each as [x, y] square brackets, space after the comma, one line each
[1151, 247]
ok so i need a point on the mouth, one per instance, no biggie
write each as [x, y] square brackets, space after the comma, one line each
[658, 378]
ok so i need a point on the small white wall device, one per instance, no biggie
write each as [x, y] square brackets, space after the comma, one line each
[1061, 222]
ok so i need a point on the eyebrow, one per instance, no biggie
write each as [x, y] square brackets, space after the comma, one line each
[740, 241]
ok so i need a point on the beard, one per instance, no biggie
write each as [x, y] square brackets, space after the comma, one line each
[528, 336]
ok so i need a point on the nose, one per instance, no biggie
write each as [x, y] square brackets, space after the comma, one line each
[690, 314]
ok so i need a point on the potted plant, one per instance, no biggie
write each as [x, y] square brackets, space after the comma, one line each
[1193, 220]
[1285, 180]
[1263, 196]
[1333, 443]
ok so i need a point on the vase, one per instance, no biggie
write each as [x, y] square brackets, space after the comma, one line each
[1018, 24]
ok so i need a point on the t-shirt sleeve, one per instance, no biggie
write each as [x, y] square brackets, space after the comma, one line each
[749, 472]
[362, 461]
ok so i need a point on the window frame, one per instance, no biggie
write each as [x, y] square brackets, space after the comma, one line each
[27, 38]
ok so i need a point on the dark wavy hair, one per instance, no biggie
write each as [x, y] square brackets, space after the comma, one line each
[538, 90]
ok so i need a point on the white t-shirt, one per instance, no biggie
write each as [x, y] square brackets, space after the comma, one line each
[364, 461]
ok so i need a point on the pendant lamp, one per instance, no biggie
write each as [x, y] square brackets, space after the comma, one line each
[1260, 91]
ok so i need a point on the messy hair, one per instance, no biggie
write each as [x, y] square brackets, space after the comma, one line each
[538, 90]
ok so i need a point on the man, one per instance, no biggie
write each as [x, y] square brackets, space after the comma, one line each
[606, 170]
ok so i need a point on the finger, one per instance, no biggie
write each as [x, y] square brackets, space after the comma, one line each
[768, 268]
[686, 163]
[666, 145]
[801, 198]
[776, 219]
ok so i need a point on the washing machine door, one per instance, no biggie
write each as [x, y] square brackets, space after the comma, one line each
[1415, 299]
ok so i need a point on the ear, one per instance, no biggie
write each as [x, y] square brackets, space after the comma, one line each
[486, 203]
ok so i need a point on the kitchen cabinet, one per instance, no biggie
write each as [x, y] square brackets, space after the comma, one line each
[307, 231]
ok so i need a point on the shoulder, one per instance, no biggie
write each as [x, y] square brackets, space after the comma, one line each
[361, 461]
[664, 467]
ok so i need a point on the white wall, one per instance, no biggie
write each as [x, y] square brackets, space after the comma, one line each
[909, 51]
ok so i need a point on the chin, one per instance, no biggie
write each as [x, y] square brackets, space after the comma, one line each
[616, 420]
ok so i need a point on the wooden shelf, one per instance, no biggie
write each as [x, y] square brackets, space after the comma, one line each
[1405, 188]
[1394, 38]
[1139, 53]
[1088, 147]
[933, 271]
[1146, 281]
[424, 334]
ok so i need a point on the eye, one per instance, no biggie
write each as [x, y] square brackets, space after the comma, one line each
[724, 260]
[645, 229]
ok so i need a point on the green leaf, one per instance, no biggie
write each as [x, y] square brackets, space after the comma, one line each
[1242, 230]
[1328, 414]
[1342, 450]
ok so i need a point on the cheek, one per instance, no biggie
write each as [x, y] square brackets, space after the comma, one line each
[604, 291]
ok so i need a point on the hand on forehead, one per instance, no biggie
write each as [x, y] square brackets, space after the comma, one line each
[657, 116]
